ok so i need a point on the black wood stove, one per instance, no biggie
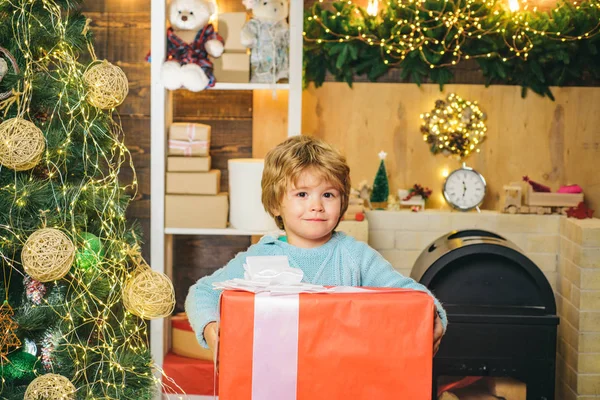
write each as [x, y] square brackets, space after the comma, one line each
[501, 310]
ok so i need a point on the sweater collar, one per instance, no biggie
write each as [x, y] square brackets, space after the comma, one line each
[273, 240]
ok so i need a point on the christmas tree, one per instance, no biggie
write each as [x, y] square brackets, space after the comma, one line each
[381, 188]
[76, 290]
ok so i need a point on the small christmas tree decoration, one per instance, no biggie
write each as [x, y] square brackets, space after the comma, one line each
[107, 85]
[454, 127]
[34, 290]
[537, 187]
[8, 340]
[48, 255]
[50, 340]
[21, 144]
[20, 367]
[147, 293]
[50, 386]
[381, 188]
[90, 250]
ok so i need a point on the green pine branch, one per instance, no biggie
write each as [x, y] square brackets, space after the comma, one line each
[337, 42]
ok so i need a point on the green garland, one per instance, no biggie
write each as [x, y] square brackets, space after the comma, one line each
[532, 49]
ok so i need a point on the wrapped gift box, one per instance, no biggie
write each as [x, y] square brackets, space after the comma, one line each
[230, 29]
[183, 340]
[360, 346]
[194, 182]
[188, 164]
[234, 64]
[189, 211]
[233, 67]
[188, 139]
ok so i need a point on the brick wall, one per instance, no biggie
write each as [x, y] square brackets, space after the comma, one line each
[566, 250]
[578, 302]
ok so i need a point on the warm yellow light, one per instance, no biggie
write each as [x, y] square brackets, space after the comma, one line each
[445, 172]
[513, 5]
[373, 7]
[214, 19]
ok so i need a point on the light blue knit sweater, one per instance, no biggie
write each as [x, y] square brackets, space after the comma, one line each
[342, 261]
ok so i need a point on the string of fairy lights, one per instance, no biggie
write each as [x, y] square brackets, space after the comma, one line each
[454, 127]
[61, 64]
[414, 22]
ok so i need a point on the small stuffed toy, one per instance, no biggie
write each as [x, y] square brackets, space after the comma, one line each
[190, 40]
[267, 34]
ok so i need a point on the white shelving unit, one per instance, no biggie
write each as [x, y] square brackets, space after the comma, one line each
[161, 118]
[249, 86]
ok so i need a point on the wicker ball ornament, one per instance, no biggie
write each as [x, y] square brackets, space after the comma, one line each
[107, 85]
[149, 294]
[50, 386]
[21, 144]
[48, 255]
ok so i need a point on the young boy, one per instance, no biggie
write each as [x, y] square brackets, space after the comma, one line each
[305, 187]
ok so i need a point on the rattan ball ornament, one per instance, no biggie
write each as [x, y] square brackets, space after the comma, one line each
[50, 386]
[107, 85]
[149, 294]
[48, 255]
[21, 144]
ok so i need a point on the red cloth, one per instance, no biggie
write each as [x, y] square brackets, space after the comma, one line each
[191, 375]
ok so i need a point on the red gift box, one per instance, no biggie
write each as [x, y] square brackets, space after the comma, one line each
[374, 344]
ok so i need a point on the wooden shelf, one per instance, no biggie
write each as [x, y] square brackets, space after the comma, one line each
[208, 231]
[250, 86]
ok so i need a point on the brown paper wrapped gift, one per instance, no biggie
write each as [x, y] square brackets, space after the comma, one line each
[194, 211]
[233, 67]
[194, 182]
[230, 29]
[187, 139]
[184, 342]
[188, 164]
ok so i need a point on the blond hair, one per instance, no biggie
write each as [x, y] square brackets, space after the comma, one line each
[285, 163]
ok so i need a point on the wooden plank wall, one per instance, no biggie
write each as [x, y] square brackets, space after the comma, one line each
[555, 143]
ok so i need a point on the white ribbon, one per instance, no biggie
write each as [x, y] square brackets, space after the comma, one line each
[190, 144]
[275, 347]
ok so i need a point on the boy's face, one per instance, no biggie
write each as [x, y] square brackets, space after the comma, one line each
[310, 210]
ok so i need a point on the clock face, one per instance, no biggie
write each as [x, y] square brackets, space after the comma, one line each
[464, 189]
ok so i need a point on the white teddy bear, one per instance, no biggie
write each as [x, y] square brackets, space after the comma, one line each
[190, 40]
[267, 34]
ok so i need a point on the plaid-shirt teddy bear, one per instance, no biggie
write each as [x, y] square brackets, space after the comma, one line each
[190, 40]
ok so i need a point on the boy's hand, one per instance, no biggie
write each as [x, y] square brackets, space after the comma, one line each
[438, 332]
[210, 335]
